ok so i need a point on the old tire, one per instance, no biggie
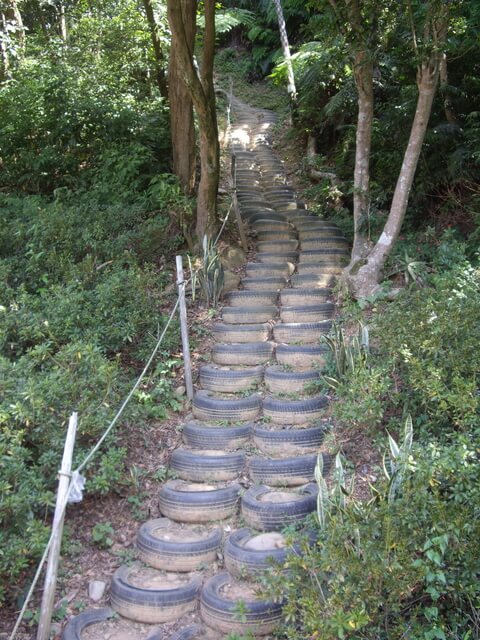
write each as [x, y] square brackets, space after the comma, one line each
[74, 629]
[206, 406]
[201, 467]
[267, 510]
[152, 605]
[199, 504]
[202, 436]
[176, 555]
[278, 442]
[258, 616]
[277, 472]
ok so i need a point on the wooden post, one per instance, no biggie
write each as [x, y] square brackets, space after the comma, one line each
[182, 308]
[48, 597]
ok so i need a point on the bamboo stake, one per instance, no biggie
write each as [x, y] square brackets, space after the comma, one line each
[182, 308]
[46, 608]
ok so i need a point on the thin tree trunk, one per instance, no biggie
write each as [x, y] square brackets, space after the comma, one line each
[202, 94]
[365, 282]
[157, 49]
[291, 88]
[447, 104]
[363, 72]
[181, 105]
[5, 69]
[62, 22]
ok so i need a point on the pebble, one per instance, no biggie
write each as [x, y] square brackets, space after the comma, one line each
[96, 589]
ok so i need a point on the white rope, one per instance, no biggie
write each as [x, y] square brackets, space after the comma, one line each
[86, 460]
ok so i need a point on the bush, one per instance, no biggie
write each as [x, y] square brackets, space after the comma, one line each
[393, 568]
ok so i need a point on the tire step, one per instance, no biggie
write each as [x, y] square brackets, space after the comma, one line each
[277, 380]
[252, 298]
[262, 283]
[334, 256]
[199, 435]
[301, 356]
[273, 236]
[207, 465]
[307, 313]
[332, 242]
[188, 502]
[291, 333]
[241, 332]
[289, 472]
[277, 246]
[303, 296]
[267, 509]
[247, 353]
[208, 406]
[319, 268]
[296, 412]
[249, 315]
[226, 380]
[288, 441]
[277, 256]
[313, 280]
[254, 269]
[164, 544]
[247, 554]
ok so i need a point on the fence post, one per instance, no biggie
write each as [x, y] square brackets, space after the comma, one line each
[182, 308]
[48, 597]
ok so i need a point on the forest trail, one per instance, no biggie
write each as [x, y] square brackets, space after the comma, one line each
[245, 470]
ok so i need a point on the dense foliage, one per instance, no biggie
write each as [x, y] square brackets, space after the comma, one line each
[89, 219]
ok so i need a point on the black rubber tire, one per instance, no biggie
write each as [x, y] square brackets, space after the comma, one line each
[272, 246]
[252, 298]
[277, 472]
[152, 605]
[269, 236]
[317, 281]
[274, 516]
[272, 225]
[295, 412]
[259, 269]
[198, 467]
[297, 297]
[322, 232]
[307, 313]
[246, 315]
[258, 616]
[76, 626]
[192, 632]
[320, 268]
[277, 380]
[244, 353]
[320, 255]
[241, 332]
[226, 380]
[332, 242]
[299, 332]
[172, 555]
[206, 406]
[197, 506]
[278, 256]
[243, 562]
[200, 436]
[288, 441]
[301, 356]
[259, 283]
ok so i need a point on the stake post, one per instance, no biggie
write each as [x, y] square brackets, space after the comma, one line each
[182, 308]
[46, 609]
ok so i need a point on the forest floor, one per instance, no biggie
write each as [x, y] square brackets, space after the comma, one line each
[100, 531]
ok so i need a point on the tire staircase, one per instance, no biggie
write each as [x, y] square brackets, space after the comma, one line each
[245, 470]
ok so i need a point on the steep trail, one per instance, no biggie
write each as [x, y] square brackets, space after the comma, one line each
[245, 469]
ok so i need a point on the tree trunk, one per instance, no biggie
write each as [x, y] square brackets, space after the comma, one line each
[366, 280]
[5, 68]
[157, 49]
[447, 103]
[363, 73]
[62, 22]
[292, 91]
[181, 106]
[202, 94]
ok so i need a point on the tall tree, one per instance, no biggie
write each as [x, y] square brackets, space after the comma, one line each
[157, 49]
[201, 91]
[364, 278]
[291, 88]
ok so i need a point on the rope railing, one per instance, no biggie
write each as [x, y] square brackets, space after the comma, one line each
[76, 474]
